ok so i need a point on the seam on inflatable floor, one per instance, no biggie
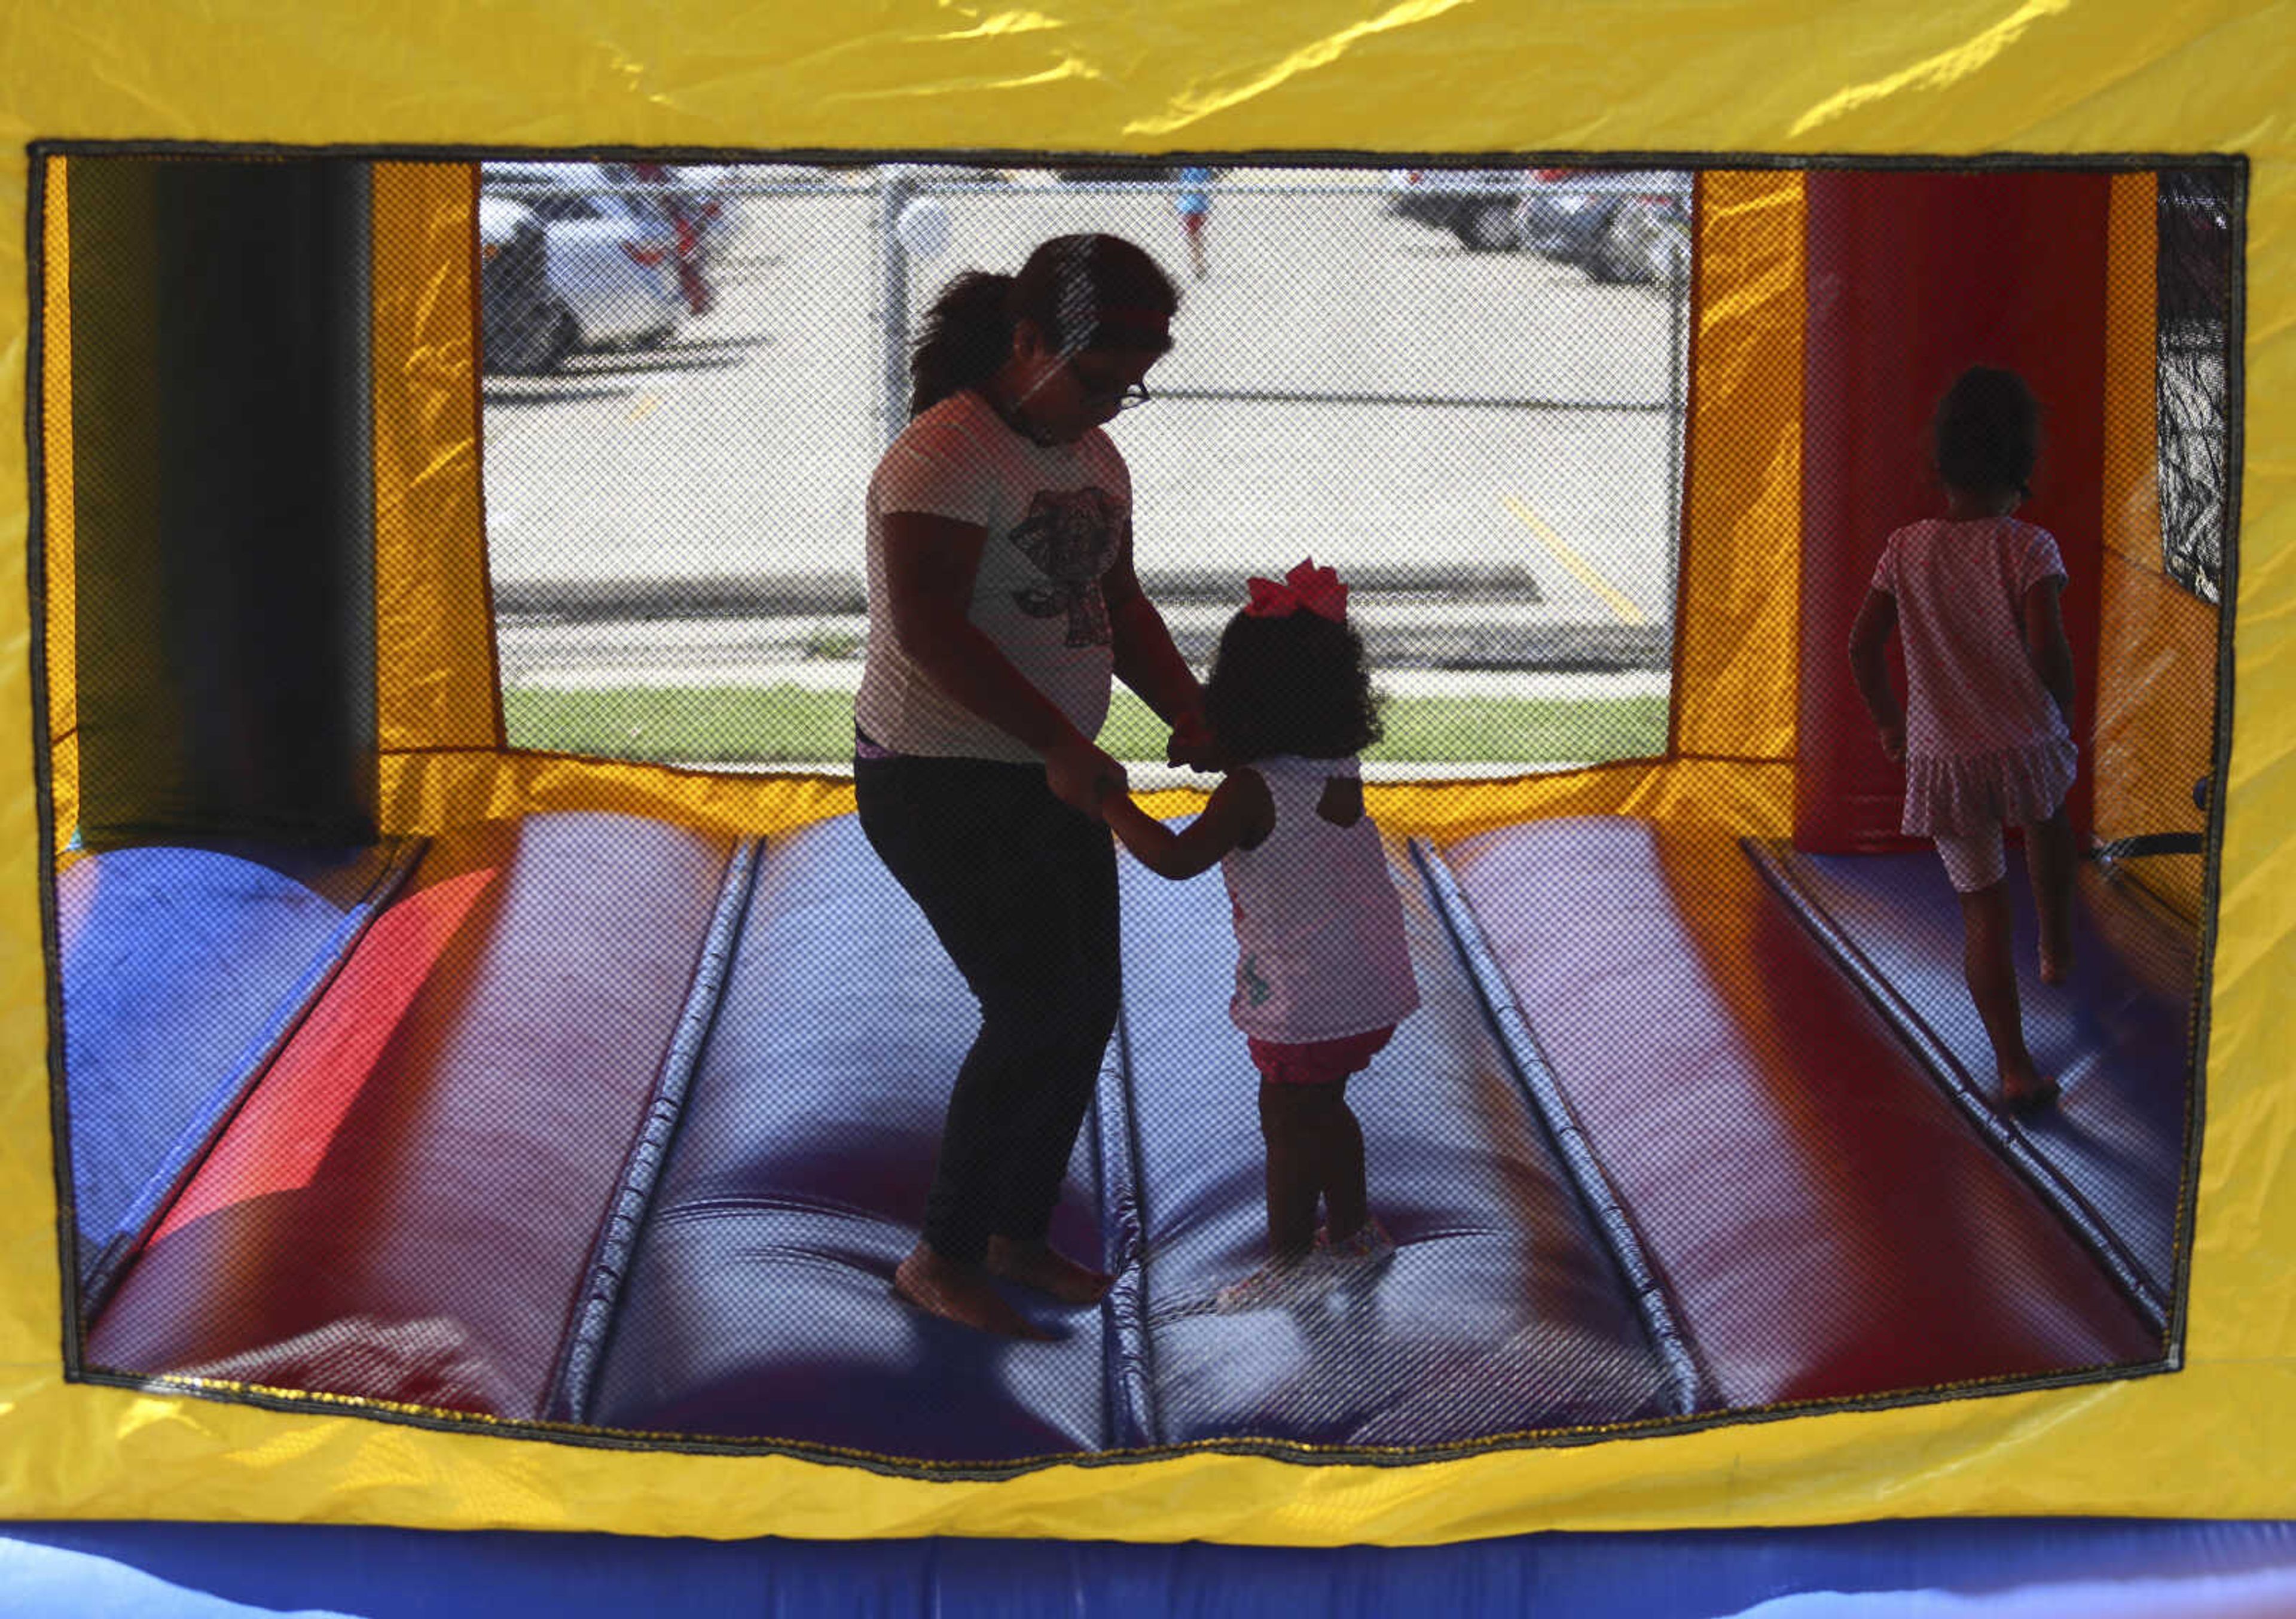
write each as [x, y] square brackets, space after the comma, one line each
[1538, 1082]
[590, 1322]
[2087, 1225]
[113, 1260]
[1128, 1381]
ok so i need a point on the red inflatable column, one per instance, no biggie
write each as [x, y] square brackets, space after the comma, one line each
[1912, 278]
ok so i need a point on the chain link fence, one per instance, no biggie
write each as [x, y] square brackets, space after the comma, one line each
[691, 372]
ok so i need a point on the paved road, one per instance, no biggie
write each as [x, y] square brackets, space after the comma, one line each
[740, 451]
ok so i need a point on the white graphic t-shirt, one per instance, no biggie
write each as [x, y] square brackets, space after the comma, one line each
[1056, 516]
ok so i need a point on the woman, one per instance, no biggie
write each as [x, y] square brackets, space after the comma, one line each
[1002, 599]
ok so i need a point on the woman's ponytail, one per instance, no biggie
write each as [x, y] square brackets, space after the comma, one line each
[1086, 292]
[967, 334]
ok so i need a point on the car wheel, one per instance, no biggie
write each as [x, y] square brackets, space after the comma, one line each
[565, 337]
[1486, 228]
[1627, 252]
[535, 347]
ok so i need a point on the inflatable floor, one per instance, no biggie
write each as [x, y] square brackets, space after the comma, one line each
[603, 1124]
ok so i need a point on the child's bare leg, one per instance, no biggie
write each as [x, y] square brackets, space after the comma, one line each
[1987, 965]
[1294, 1170]
[2050, 858]
[1343, 1169]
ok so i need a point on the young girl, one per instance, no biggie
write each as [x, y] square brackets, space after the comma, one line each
[1324, 970]
[1989, 690]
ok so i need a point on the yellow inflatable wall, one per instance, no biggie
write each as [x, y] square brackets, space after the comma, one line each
[1743, 90]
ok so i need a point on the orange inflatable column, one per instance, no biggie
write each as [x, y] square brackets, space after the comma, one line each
[1912, 278]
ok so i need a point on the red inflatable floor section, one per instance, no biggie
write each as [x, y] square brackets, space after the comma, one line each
[1824, 1222]
[404, 1207]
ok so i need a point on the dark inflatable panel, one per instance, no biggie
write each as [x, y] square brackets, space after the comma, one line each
[1501, 1312]
[182, 968]
[2116, 1035]
[760, 1300]
[404, 1207]
[1826, 1221]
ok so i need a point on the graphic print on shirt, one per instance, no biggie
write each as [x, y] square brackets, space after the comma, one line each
[1071, 536]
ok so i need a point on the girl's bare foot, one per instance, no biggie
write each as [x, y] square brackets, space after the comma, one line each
[2056, 966]
[1037, 1265]
[957, 1291]
[2026, 1087]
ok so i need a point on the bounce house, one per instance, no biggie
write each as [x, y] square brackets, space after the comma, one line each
[427, 1115]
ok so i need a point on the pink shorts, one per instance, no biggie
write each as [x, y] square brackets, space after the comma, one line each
[1316, 1061]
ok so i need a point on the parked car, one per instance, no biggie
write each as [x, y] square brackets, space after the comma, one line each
[523, 327]
[613, 260]
[1476, 205]
[1615, 224]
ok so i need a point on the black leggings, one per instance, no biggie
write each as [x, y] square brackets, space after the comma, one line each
[1021, 890]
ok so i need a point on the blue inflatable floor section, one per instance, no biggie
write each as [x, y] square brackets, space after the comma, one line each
[756, 1304]
[1907, 1569]
[182, 969]
[2117, 1035]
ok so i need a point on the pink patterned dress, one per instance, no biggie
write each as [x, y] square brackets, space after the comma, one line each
[1984, 742]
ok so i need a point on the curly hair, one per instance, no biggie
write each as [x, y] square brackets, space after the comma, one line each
[1296, 684]
[1987, 432]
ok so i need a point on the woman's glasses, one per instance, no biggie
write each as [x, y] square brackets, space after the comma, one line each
[1128, 396]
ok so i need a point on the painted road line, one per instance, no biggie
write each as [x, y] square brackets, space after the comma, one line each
[1580, 569]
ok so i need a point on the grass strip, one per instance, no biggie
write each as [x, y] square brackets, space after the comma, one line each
[793, 725]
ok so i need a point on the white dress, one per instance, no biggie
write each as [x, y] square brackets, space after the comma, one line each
[1321, 951]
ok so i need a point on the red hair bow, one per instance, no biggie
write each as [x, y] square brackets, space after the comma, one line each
[1317, 589]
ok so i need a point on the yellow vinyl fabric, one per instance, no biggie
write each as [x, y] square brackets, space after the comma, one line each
[1739, 83]
[56, 492]
[435, 681]
[1737, 613]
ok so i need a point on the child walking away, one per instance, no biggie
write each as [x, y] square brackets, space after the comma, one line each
[1323, 969]
[1984, 735]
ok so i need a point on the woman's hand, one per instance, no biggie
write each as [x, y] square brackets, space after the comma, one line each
[1080, 775]
[1193, 744]
[1893, 742]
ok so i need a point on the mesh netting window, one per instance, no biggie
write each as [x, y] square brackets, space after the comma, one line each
[1464, 388]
